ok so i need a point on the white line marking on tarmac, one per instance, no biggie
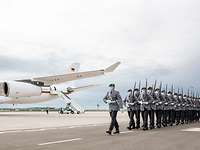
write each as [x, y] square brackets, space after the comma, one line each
[192, 130]
[58, 142]
[53, 128]
[124, 132]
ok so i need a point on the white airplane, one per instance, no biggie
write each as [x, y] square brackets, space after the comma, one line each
[42, 89]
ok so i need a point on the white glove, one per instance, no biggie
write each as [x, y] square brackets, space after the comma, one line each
[130, 103]
[108, 101]
[160, 102]
[145, 103]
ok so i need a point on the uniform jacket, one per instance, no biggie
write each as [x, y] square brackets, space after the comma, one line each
[115, 97]
[134, 100]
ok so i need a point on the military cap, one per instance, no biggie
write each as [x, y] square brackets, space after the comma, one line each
[130, 90]
[136, 89]
[143, 88]
[111, 85]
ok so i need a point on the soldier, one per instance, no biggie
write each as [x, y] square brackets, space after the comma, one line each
[152, 100]
[137, 107]
[187, 105]
[130, 103]
[145, 107]
[171, 103]
[114, 100]
[183, 108]
[159, 107]
[177, 108]
[166, 109]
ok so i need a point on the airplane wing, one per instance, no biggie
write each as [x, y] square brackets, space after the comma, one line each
[50, 80]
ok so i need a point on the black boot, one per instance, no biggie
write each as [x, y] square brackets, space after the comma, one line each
[109, 132]
[129, 128]
[116, 132]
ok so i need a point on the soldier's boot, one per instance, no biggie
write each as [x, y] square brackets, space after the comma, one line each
[116, 132]
[129, 128]
[109, 132]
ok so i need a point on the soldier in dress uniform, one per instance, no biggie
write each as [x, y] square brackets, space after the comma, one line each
[114, 100]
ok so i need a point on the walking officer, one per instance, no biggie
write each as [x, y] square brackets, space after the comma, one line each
[114, 100]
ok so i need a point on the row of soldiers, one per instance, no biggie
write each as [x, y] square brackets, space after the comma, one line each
[158, 108]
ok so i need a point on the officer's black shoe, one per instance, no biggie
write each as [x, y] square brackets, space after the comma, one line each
[109, 132]
[116, 132]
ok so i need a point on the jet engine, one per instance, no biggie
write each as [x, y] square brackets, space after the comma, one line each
[19, 89]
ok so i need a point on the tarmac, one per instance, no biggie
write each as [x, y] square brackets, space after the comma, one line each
[39, 131]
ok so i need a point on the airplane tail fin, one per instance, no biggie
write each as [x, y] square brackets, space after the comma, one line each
[112, 67]
[74, 68]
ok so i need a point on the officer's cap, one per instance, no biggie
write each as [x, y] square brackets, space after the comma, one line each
[163, 91]
[175, 94]
[157, 89]
[111, 85]
[150, 88]
[169, 92]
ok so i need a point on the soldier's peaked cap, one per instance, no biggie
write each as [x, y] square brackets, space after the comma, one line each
[130, 90]
[150, 88]
[111, 85]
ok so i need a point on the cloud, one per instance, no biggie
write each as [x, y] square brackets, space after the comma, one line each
[153, 39]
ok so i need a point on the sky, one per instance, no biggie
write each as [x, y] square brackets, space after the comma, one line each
[153, 39]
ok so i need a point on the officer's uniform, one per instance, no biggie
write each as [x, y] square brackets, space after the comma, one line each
[114, 107]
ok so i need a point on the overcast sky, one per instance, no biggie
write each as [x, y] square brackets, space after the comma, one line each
[153, 39]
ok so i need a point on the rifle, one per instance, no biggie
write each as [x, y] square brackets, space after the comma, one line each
[160, 88]
[166, 89]
[182, 93]
[154, 87]
[134, 87]
[139, 86]
[172, 90]
[146, 87]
